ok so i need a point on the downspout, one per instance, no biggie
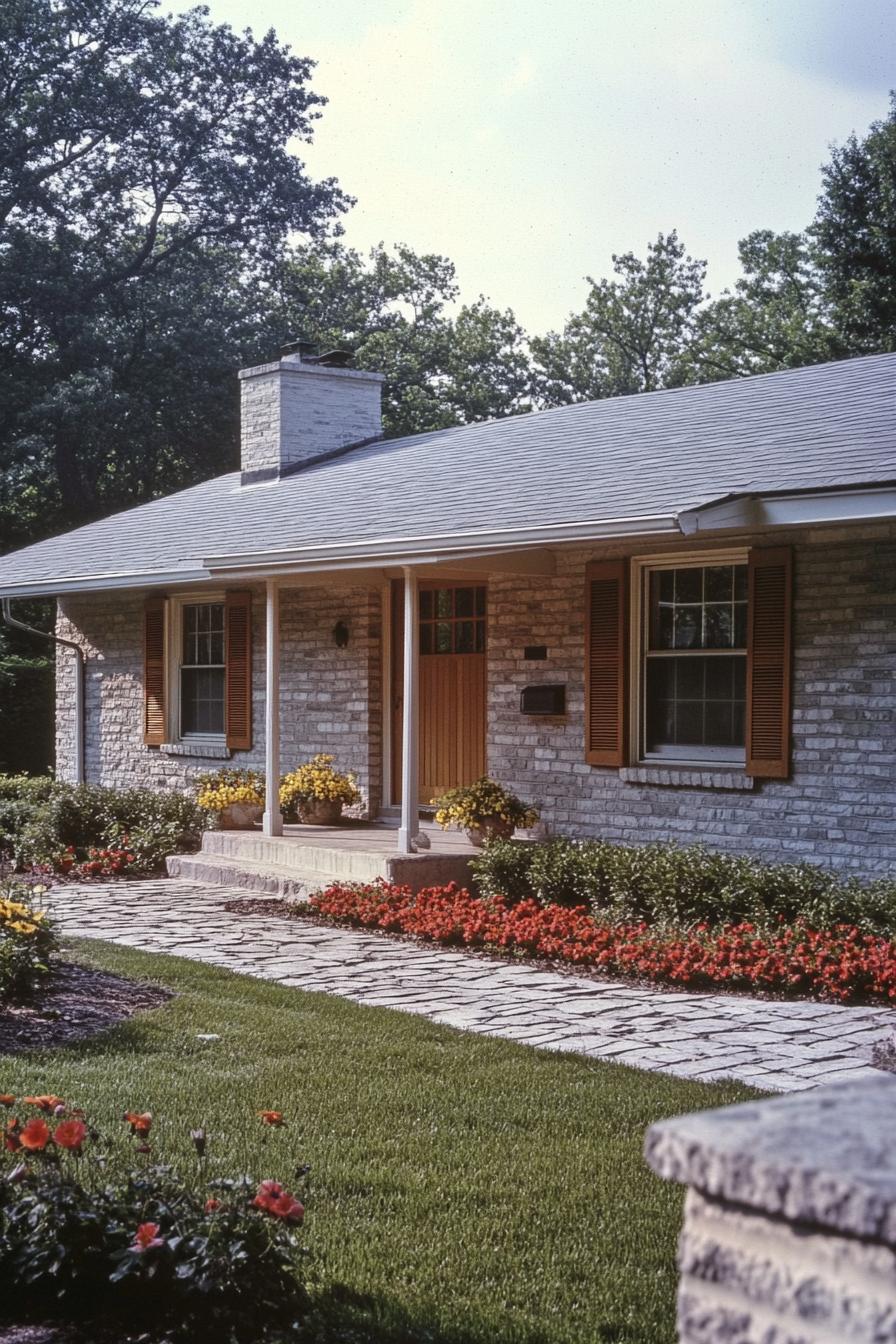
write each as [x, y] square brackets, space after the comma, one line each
[79, 680]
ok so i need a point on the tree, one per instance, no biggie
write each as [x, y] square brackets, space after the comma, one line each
[776, 318]
[393, 310]
[634, 333]
[854, 234]
[141, 158]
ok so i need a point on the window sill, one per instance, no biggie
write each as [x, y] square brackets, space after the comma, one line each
[211, 751]
[688, 777]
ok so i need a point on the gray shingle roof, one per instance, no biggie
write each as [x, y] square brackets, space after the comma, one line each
[647, 456]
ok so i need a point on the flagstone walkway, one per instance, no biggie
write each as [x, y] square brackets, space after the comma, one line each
[777, 1046]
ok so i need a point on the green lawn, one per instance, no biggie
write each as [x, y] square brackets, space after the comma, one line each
[463, 1190]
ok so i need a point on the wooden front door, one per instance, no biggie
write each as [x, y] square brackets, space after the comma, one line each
[452, 686]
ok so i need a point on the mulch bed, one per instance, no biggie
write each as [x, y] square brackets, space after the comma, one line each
[76, 1003]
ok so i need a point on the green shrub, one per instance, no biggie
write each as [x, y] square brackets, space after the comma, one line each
[26, 941]
[41, 820]
[26, 788]
[682, 885]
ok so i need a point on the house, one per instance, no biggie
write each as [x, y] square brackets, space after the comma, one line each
[660, 617]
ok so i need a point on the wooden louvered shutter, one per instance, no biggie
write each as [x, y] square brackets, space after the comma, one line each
[606, 662]
[155, 710]
[238, 678]
[768, 662]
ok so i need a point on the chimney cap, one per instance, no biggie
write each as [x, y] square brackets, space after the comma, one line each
[301, 347]
[334, 359]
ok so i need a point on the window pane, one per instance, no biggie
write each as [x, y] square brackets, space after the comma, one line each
[480, 601]
[463, 601]
[689, 585]
[480, 636]
[203, 634]
[688, 622]
[698, 608]
[718, 583]
[426, 639]
[425, 604]
[694, 702]
[464, 640]
[202, 700]
[443, 602]
[718, 723]
[443, 637]
[718, 627]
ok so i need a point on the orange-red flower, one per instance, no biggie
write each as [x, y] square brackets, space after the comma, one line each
[35, 1135]
[147, 1238]
[11, 1136]
[212, 1205]
[70, 1134]
[7, 1099]
[279, 1203]
[140, 1122]
[274, 1118]
[47, 1103]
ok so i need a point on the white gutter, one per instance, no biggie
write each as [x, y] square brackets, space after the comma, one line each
[798, 509]
[101, 583]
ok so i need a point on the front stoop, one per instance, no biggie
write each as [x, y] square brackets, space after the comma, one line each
[295, 867]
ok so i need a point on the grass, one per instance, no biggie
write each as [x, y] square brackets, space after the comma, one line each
[463, 1190]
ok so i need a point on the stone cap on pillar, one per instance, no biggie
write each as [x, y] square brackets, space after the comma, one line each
[825, 1157]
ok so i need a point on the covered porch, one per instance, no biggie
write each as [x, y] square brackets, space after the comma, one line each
[424, 747]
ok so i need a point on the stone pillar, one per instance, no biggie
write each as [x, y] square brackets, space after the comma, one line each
[789, 1232]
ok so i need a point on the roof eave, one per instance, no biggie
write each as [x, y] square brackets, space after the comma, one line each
[752, 511]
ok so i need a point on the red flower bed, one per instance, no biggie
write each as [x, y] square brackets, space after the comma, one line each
[841, 963]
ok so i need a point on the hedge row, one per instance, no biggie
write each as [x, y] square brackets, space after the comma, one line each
[677, 886]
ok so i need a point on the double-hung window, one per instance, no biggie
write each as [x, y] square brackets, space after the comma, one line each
[688, 659]
[694, 662]
[201, 670]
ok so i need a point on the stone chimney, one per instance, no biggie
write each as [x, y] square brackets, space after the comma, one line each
[302, 407]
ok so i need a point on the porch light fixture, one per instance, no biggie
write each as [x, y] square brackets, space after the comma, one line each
[340, 634]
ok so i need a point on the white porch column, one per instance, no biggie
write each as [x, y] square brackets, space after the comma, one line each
[273, 821]
[410, 789]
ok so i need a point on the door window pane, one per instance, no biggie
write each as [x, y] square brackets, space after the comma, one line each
[452, 620]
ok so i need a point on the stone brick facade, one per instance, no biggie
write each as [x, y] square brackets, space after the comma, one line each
[330, 697]
[838, 808]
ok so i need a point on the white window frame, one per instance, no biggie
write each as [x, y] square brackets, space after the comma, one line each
[639, 589]
[175, 659]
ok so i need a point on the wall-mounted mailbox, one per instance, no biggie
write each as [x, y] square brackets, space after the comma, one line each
[543, 700]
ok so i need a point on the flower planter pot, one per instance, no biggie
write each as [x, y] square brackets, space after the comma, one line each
[320, 812]
[239, 816]
[489, 828]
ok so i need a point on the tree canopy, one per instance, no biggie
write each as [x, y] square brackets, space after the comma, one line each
[142, 159]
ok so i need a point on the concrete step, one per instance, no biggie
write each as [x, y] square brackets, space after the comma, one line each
[332, 862]
[272, 879]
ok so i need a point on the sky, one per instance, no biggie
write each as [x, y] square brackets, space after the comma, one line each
[529, 140]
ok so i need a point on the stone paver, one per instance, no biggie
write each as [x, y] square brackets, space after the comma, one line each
[776, 1046]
